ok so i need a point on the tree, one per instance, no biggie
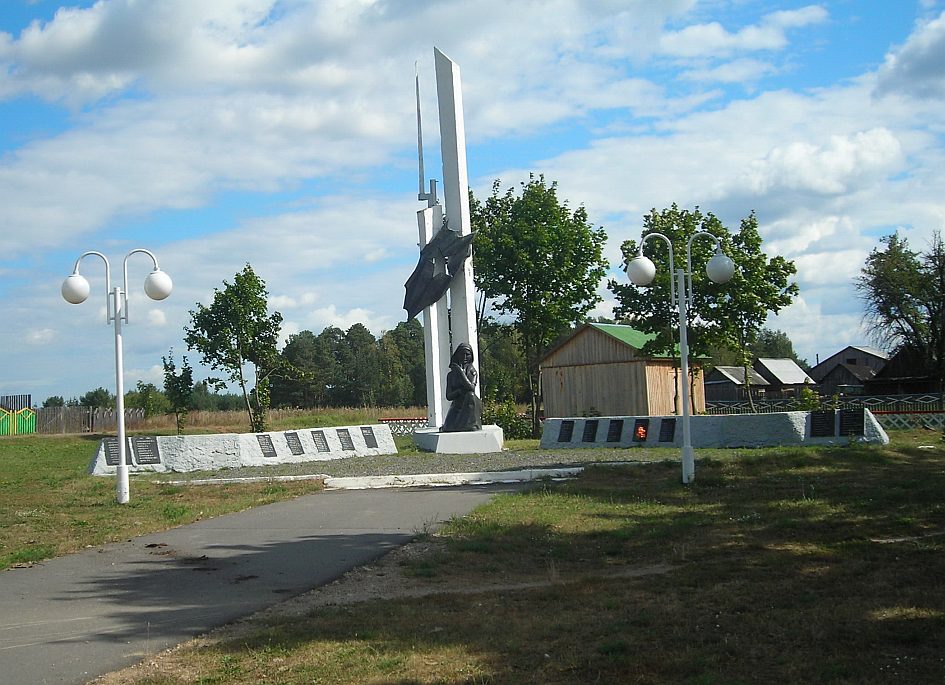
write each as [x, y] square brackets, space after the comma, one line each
[407, 339]
[100, 397]
[539, 262]
[235, 332]
[54, 401]
[146, 396]
[502, 364]
[773, 344]
[178, 387]
[359, 359]
[721, 316]
[904, 295]
[776, 345]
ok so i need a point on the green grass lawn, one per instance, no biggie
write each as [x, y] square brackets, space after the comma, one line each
[791, 565]
[780, 565]
[50, 506]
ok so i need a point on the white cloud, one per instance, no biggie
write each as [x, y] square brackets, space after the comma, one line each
[41, 336]
[829, 168]
[917, 69]
[736, 71]
[156, 318]
[712, 39]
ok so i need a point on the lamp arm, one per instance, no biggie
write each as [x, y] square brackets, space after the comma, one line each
[718, 246]
[109, 309]
[124, 296]
[672, 261]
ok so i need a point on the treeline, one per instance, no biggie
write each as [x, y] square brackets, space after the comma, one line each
[338, 368]
[353, 368]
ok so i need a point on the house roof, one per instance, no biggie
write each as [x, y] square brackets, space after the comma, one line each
[626, 335]
[785, 371]
[736, 375]
[871, 350]
[858, 371]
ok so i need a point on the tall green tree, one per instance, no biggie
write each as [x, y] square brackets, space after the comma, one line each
[237, 335]
[720, 316]
[146, 396]
[539, 262]
[306, 388]
[362, 370]
[178, 388]
[403, 373]
[904, 295]
[100, 397]
[502, 363]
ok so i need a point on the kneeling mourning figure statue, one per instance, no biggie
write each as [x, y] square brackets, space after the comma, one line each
[465, 413]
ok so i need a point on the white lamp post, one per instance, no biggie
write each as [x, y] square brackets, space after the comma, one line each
[720, 269]
[75, 290]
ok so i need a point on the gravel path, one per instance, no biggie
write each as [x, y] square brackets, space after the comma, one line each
[413, 463]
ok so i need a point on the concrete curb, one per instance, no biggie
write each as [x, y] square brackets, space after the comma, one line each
[414, 480]
[448, 479]
[400, 481]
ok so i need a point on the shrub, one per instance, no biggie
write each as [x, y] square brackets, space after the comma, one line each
[514, 426]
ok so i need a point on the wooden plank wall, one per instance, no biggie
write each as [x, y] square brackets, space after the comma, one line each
[604, 389]
[660, 378]
[590, 346]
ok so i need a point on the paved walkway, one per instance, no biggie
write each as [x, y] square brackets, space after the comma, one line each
[71, 619]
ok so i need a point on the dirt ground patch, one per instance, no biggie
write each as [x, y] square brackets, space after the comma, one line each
[384, 579]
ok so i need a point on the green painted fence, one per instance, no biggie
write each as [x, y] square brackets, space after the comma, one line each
[21, 422]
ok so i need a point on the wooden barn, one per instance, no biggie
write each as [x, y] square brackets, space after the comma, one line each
[600, 370]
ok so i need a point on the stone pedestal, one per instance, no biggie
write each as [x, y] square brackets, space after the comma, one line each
[489, 439]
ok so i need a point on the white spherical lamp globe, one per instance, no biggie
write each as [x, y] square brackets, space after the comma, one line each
[720, 268]
[641, 270]
[75, 289]
[158, 285]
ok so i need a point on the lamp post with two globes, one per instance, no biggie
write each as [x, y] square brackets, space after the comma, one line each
[75, 290]
[719, 269]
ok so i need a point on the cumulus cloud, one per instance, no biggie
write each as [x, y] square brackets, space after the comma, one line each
[829, 168]
[917, 69]
[714, 40]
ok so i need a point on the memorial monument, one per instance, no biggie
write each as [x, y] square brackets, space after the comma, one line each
[442, 286]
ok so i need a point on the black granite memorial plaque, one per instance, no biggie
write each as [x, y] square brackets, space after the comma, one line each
[667, 430]
[566, 432]
[321, 443]
[111, 452]
[370, 440]
[852, 421]
[614, 430]
[344, 437]
[146, 449]
[590, 430]
[640, 429]
[295, 445]
[265, 444]
[822, 423]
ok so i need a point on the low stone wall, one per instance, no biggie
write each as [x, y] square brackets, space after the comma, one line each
[733, 430]
[182, 453]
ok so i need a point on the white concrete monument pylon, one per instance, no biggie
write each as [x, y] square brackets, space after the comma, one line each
[446, 325]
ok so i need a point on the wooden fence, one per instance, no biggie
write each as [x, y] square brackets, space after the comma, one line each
[51, 420]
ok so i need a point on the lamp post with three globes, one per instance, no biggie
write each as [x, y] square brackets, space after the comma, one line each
[75, 290]
[719, 269]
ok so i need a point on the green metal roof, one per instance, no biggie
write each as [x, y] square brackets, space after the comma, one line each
[637, 339]
[629, 336]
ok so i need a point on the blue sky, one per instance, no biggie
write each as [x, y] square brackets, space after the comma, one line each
[282, 133]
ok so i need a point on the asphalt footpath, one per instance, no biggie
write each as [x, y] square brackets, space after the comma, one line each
[70, 619]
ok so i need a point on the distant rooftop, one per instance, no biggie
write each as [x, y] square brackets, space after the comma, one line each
[786, 371]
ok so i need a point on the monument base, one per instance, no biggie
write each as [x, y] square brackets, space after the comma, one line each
[489, 439]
